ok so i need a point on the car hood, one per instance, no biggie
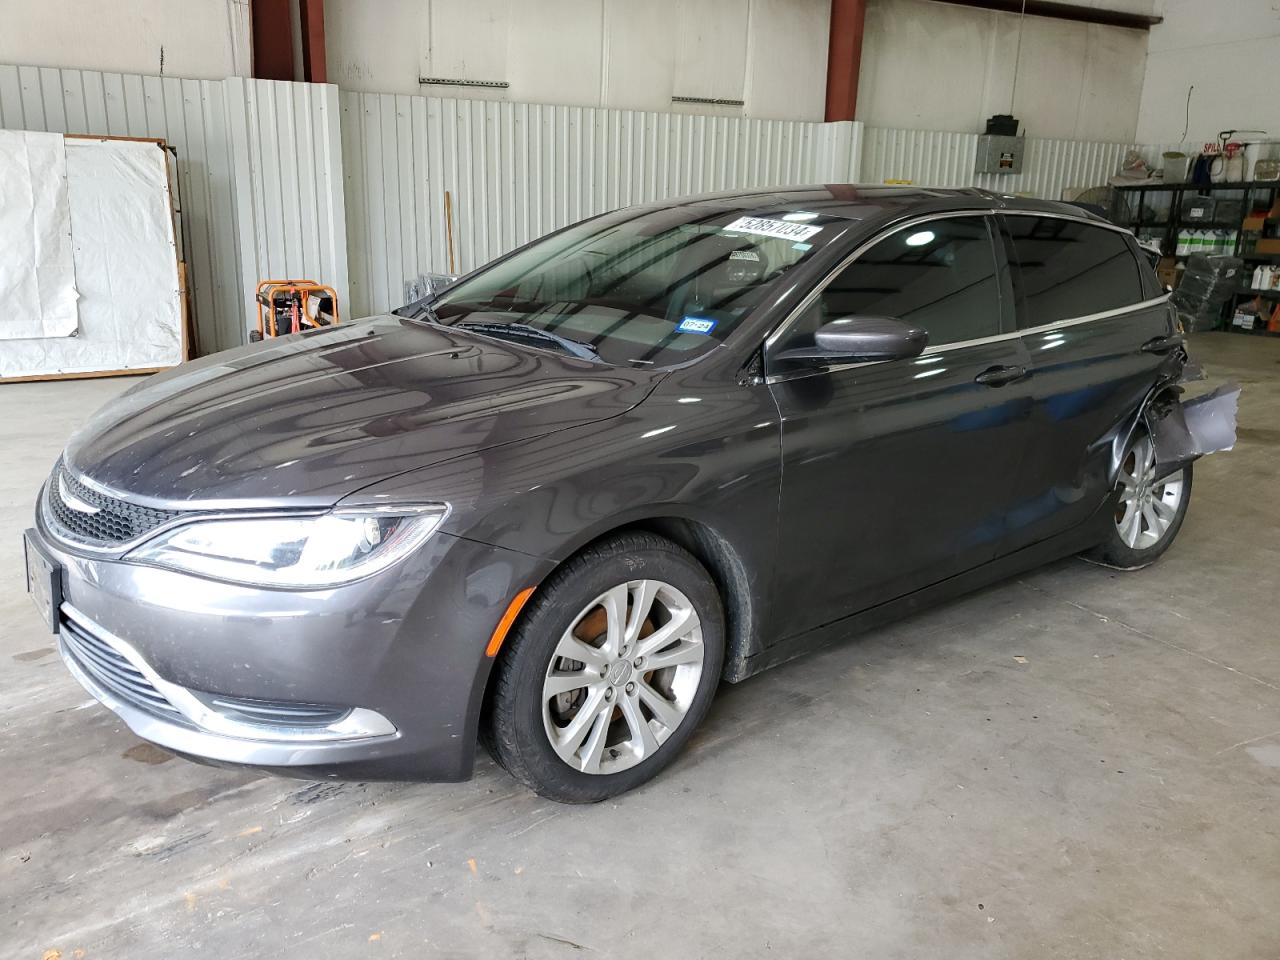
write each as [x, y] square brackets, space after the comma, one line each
[314, 417]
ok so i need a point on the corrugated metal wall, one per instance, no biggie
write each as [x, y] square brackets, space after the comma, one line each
[941, 159]
[516, 171]
[1051, 166]
[282, 179]
[287, 160]
[191, 116]
[931, 157]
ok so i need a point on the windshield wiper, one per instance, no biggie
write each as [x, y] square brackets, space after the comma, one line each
[583, 351]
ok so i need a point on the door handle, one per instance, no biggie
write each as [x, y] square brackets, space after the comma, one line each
[1162, 344]
[999, 376]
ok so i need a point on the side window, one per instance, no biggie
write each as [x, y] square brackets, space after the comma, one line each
[940, 275]
[1066, 269]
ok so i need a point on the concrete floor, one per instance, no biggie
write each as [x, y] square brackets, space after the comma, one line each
[1079, 763]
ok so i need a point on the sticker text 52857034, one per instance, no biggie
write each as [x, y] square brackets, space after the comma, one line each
[773, 228]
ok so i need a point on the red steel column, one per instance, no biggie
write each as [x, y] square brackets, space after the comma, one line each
[844, 58]
[272, 40]
[312, 16]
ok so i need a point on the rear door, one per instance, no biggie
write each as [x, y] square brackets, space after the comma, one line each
[1097, 332]
[898, 474]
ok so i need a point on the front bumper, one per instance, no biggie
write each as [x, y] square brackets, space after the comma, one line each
[382, 678]
[178, 719]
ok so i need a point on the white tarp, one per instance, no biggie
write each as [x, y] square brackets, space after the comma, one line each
[123, 247]
[37, 275]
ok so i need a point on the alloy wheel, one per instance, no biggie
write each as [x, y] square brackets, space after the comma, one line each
[623, 676]
[1146, 509]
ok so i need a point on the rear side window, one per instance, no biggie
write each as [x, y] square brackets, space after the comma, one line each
[1066, 269]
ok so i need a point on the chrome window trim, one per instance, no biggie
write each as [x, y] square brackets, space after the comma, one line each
[1045, 327]
[1104, 315]
[962, 344]
[1053, 215]
[959, 344]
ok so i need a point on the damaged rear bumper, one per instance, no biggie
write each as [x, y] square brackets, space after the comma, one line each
[1185, 430]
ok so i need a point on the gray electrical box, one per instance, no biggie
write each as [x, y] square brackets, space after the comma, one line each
[999, 154]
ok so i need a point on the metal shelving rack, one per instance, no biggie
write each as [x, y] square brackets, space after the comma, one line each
[1131, 206]
[1126, 215]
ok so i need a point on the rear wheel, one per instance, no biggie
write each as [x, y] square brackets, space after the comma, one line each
[1149, 513]
[612, 666]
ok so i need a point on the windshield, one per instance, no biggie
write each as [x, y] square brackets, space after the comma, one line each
[647, 287]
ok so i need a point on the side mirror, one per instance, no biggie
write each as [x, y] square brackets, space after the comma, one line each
[861, 340]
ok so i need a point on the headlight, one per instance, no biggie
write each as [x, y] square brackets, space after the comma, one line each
[300, 552]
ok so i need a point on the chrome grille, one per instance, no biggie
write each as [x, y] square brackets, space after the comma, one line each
[112, 670]
[115, 522]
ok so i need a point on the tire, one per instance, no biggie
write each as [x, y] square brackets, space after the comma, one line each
[1148, 516]
[598, 705]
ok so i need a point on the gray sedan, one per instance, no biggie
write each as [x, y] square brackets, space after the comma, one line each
[553, 507]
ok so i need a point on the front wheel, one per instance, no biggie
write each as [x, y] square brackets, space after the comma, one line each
[613, 664]
[1149, 512]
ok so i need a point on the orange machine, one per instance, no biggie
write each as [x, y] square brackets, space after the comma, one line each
[289, 306]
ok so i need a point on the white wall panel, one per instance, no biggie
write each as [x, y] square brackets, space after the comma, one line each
[638, 55]
[619, 54]
[786, 62]
[180, 38]
[517, 171]
[550, 48]
[466, 39]
[936, 66]
[711, 49]
[1227, 51]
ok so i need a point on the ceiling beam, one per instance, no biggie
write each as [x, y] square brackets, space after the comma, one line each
[1065, 11]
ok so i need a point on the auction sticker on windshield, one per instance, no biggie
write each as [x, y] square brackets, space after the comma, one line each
[773, 228]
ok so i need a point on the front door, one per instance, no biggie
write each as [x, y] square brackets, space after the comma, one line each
[898, 474]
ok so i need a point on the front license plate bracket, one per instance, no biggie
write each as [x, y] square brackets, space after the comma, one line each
[44, 580]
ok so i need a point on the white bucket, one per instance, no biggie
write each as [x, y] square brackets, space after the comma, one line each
[1175, 166]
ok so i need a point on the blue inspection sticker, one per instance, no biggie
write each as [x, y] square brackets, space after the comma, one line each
[695, 325]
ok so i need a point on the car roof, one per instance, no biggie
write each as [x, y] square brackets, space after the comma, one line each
[869, 202]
